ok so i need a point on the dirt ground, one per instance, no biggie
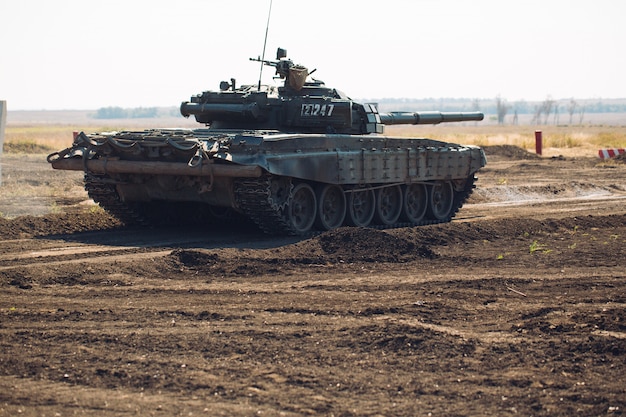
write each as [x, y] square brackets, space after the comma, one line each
[517, 307]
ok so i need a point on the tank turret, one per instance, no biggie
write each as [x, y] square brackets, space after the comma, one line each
[300, 106]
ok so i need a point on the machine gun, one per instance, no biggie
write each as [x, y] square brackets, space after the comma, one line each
[294, 75]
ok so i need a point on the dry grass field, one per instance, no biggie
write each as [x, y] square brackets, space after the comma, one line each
[43, 131]
[557, 140]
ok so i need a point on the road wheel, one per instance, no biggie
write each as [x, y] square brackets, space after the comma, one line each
[302, 208]
[388, 204]
[415, 203]
[331, 207]
[441, 201]
[361, 207]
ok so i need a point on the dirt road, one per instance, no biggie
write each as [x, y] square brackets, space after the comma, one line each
[515, 308]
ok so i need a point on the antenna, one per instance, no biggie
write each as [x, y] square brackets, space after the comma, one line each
[265, 43]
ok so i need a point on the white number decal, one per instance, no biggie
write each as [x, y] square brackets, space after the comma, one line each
[316, 110]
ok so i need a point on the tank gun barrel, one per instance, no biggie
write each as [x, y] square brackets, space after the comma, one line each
[428, 117]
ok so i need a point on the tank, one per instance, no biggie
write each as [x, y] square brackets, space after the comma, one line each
[293, 159]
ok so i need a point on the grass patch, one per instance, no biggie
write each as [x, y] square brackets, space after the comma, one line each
[27, 146]
[43, 138]
[610, 139]
[563, 140]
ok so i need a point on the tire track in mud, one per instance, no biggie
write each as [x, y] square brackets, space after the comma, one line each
[119, 245]
[94, 256]
[40, 252]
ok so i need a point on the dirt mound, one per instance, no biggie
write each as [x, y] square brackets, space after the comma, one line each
[509, 151]
[342, 246]
[404, 340]
[370, 245]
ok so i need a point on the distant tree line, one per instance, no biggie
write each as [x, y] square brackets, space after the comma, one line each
[121, 113]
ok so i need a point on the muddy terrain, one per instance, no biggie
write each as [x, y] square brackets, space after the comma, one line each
[517, 307]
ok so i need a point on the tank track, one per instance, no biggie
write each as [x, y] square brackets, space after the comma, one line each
[460, 197]
[154, 213]
[102, 190]
[254, 198]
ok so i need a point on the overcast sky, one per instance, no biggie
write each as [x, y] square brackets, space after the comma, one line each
[84, 54]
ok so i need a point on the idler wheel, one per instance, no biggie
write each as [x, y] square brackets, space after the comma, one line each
[415, 203]
[361, 207]
[331, 207]
[441, 201]
[302, 208]
[388, 204]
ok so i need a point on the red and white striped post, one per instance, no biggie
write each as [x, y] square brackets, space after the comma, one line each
[538, 142]
[610, 153]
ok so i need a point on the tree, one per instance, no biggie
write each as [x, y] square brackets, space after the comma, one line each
[144, 112]
[537, 114]
[556, 114]
[581, 115]
[571, 109]
[547, 106]
[544, 108]
[111, 113]
[502, 109]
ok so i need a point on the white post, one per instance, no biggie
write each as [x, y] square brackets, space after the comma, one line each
[3, 123]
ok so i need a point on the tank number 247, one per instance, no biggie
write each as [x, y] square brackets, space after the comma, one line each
[313, 110]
